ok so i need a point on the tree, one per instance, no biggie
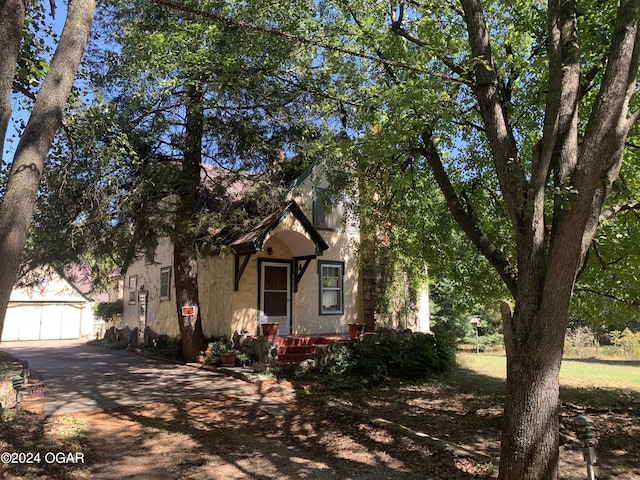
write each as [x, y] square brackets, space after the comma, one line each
[182, 92]
[521, 111]
[44, 120]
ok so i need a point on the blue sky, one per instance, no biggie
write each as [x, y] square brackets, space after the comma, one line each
[20, 114]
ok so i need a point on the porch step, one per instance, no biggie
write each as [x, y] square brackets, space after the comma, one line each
[293, 357]
[294, 341]
[296, 349]
[300, 349]
[330, 339]
[296, 353]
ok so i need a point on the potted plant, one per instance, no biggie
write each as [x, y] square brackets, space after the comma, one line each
[220, 352]
[228, 359]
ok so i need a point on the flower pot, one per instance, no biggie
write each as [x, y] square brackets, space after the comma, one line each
[228, 359]
[270, 330]
[355, 329]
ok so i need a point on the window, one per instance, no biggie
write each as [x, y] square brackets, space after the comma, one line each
[331, 288]
[165, 283]
[326, 209]
[149, 258]
[330, 211]
[133, 289]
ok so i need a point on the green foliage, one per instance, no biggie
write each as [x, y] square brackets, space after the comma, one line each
[453, 304]
[492, 341]
[214, 349]
[105, 195]
[109, 310]
[389, 107]
[392, 355]
[446, 310]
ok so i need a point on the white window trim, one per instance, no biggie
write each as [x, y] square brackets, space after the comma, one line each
[339, 289]
[163, 271]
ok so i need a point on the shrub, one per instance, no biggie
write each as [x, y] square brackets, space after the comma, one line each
[164, 346]
[392, 355]
[109, 310]
[491, 341]
[580, 342]
[628, 341]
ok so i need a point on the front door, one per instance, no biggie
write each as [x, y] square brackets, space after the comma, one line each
[275, 295]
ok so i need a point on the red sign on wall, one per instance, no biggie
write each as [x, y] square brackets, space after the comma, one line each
[188, 311]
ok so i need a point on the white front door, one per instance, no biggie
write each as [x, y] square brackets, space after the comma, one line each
[275, 295]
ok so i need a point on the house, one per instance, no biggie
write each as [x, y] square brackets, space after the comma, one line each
[297, 267]
[51, 308]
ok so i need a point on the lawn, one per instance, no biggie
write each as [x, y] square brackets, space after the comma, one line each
[574, 373]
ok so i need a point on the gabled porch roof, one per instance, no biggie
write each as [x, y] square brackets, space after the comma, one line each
[303, 248]
[253, 241]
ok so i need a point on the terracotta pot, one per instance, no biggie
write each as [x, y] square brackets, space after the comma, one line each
[353, 330]
[228, 359]
[270, 329]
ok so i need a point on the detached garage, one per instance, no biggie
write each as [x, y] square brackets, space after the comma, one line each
[54, 309]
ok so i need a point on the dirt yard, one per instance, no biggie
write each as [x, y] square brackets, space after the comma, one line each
[444, 429]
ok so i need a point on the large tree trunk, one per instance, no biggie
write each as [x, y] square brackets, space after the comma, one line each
[186, 270]
[549, 254]
[46, 117]
[185, 252]
[529, 447]
[12, 13]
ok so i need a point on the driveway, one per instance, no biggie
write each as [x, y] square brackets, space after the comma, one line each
[79, 377]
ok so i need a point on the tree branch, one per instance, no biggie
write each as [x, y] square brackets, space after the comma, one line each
[12, 14]
[507, 161]
[492, 253]
[610, 296]
[613, 211]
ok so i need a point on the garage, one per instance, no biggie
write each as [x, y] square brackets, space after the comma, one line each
[52, 309]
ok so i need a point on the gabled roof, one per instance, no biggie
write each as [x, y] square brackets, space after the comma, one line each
[253, 241]
[48, 285]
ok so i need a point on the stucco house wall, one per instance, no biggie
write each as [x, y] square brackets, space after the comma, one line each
[226, 310]
[144, 276]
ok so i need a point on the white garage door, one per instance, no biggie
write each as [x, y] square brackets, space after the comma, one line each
[71, 322]
[42, 322]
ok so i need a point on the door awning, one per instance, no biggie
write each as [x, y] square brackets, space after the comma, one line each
[254, 240]
[305, 242]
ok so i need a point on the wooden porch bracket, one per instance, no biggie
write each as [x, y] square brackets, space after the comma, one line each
[239, 268]
[299, 269]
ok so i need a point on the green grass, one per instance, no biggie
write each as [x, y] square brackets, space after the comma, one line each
[574, 373]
